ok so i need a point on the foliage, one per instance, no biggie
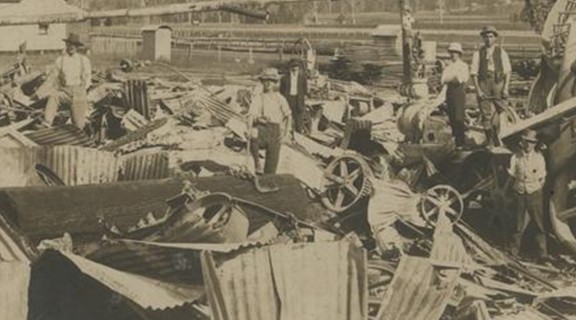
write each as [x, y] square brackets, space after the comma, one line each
[535, 12]
[526, 69]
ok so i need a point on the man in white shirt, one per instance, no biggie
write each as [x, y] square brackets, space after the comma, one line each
[491, 71]
[73, 74]
[528, 171]
[455, 77]
[272, 120]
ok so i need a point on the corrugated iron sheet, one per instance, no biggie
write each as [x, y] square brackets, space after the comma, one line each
[13, 246]
[15, 278]
[524, 315]
[302, 281]
[419, 291]
[147, 293]
[63, 135]
[481, 251]
[145, 166]
[448, 249]
[74, 165]
[161, 262]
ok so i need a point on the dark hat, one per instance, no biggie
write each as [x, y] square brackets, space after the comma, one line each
[294, 62]
[489, 29]
[74, 39]
[530, 135]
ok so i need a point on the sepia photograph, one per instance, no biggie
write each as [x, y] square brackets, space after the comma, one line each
[287, 160]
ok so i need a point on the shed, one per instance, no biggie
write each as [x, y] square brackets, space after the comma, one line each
[46, 33]
[156, 42]
[389, 38]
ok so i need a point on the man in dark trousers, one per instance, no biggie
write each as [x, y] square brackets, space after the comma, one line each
[491, 71]
[271, 122]
[294, 87]
[528, 172]
[455, 78]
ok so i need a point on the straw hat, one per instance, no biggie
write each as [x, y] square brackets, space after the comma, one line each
[530, 135]
[455, 47]
[269, 74]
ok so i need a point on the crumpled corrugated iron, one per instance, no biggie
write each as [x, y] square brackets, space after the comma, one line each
[63, 135]
[448, 249]
[529, 314]
[147, 293]
[13, 246]
[145, 166]
[419, 291]
[300, 281]
[73, 165]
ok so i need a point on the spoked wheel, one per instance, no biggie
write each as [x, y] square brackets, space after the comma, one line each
[441, 199]
[348, 182]
[484, 180]
[48, 176]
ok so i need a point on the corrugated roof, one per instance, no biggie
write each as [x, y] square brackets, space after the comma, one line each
[147, 293]
[296, 281]
[64, 135]
[419, 291]
[30, 10]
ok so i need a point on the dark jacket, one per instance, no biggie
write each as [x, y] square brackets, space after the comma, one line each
[302, 88]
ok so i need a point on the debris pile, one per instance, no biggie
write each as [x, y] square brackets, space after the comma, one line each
[154, 210]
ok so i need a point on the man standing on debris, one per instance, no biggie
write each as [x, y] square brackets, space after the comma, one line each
[272, 121]
[528, 172]
[455, 78]
[294, 88]
[73, 74]
[491, 71]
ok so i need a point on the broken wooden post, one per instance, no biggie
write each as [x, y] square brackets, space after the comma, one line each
[406, 20]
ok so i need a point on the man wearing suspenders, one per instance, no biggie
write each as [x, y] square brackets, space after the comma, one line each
[73, 78]
[272, 122]
[491, 71]
[528, 172]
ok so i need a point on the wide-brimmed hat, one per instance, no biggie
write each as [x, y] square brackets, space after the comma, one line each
[455, 47]
[489, 29]
[530, 135]
[269, 74]
[74, 39]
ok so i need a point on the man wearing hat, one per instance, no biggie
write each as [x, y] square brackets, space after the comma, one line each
[73, 74]
[272, 122]
[455, 77]
[294, 87]
[491, 71]
[528, 172]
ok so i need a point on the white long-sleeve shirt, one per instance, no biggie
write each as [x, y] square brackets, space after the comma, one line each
[456, 72]
[74, 70]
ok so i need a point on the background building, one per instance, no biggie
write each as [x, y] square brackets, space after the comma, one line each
[41, 36]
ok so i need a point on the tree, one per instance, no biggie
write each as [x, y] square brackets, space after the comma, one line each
[535, 12]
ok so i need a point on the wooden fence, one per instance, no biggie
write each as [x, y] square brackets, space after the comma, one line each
[116, 46]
